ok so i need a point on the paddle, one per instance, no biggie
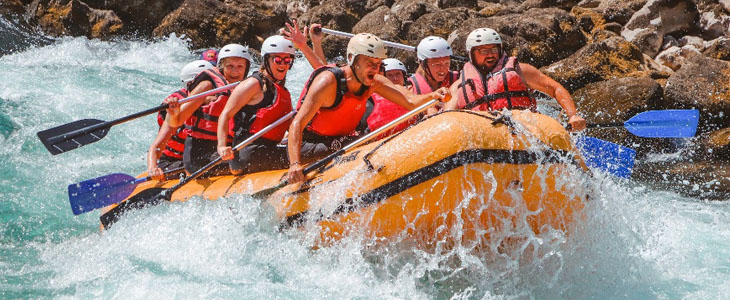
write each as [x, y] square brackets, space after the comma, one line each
[320, 163]
[614, 159]
[671, 123]
[83, 132]
[387, 43]
[102, 191]
[153, 196]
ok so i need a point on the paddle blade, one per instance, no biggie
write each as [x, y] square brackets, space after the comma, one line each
[672, 123]
[56, 143]
[606, 156]
[267, 192]
[99, 192]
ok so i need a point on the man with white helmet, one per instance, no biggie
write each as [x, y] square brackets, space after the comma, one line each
[254, 104]
[333, 102]
[434, 68]
[492, 80]
[201, 115]
[166, 152]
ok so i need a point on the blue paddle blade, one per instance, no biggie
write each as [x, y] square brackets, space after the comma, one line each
[671, 123]
[606, 156]
[102, 191]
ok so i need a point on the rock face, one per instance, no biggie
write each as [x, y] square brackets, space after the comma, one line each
[210, 22]
[719, 49]
[138, 15]
[538, 36]
[702, 83]
[73, 17]
[611, 58]
[617, 100]
[339, 15]
[648, 26]
[674, 57]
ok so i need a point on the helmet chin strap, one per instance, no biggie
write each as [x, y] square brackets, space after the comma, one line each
[428, 70]
[363, 87]
[270, 73]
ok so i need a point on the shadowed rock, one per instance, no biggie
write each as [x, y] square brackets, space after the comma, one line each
[74, 18]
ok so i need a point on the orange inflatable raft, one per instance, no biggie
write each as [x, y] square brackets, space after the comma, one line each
[465, 169]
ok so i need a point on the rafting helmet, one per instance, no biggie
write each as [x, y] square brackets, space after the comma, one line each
[366, 44]
[276, 44]
[192, 69]
[433, 47]
[482, 36]
[394, 64]
[234, 50]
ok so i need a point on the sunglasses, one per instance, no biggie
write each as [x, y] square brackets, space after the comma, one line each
[282, 61]
[488, 51]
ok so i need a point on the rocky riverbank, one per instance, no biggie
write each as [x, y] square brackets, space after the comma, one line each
[617, 57]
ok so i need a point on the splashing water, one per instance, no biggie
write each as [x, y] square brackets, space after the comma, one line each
[632, 242]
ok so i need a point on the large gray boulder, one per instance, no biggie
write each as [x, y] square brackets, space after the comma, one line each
[657, 18]
[702, 83]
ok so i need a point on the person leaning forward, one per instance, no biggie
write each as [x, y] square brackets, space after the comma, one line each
[493, 80]
[333, 102]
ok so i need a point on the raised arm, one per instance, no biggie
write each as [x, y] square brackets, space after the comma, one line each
[316, 35]
[299, 39]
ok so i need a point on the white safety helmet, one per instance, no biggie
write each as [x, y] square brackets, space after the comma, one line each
[234, 50]
[192, 69]
[365, 44]
[394, 64]
[277, 44]
[433, 47]
[482, 36]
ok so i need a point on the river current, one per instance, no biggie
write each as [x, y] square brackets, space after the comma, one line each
[635, 242]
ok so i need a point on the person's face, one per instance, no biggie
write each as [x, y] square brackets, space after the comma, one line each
[395, 76]
[439, 67]
[366, 67]
[279, 64]
[486, 56]
[234, 68]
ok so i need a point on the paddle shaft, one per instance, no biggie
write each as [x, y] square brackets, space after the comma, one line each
[387, 43]
[215, 162]
[91, 129]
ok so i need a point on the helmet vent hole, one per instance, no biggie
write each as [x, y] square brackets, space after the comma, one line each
[371, 51]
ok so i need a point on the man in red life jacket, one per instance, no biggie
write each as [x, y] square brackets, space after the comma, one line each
[166, 152]
[384, 110]
[259, 101]
[493, 81]
[200, 116]
[333, 102]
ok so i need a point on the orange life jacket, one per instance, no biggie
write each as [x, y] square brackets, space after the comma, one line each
[501, 88]
[204, 122]
[176, 144]
[252, 118]
[343, 116]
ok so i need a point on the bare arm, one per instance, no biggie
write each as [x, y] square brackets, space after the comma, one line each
[403, 96]
[240, 97]
[155, 150]
[177, 118]
[299, 39]
[538, 81]
[316, 36]
[321, 93]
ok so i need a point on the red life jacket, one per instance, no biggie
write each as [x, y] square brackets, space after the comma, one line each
[252, 118]
[502, 88]
[342, 117]
[385, 111]
[176, 144]
[203, 124]
[419, 84]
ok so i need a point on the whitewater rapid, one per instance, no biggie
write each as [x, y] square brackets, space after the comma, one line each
[634, 242]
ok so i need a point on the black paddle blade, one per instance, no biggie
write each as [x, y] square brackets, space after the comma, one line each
[57, 139]
[148, 197]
